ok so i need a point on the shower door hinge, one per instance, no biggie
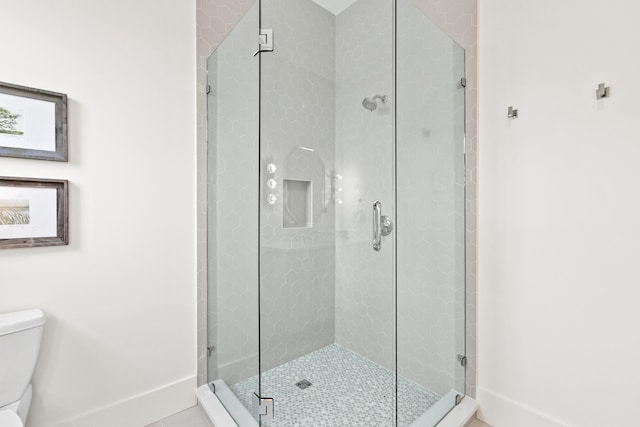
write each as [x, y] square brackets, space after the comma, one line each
[463, 82]
[263, 407]
[208, 89]
[462, 360]
[458, 399]
[265, 41]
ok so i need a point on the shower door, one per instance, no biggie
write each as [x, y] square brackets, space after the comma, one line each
[361, 126]
[327, 353]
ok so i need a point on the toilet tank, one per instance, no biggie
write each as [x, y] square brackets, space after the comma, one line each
[20, 334]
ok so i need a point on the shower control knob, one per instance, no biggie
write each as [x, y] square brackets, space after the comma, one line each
[387, 225]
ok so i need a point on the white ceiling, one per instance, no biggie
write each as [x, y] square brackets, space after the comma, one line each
[335, 6]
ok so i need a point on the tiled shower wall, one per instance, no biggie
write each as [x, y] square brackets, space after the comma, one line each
[216, 18]
[364, 277]
[430, 194]
[297, 123]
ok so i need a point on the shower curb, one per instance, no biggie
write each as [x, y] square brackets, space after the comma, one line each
[220, 406]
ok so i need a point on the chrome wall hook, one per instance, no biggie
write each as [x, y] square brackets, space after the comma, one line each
[512, 113]
[602, 91]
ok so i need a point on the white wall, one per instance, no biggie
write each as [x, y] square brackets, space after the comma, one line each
[559, 234]
[119, 345]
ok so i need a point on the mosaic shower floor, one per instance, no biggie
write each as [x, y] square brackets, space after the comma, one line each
[346, 390]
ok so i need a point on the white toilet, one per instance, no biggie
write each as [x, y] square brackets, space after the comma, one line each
[20, 335]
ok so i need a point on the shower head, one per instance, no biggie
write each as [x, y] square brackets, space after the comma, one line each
[371, 104]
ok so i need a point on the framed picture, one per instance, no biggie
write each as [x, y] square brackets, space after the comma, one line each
[33, 212]
[33, 123]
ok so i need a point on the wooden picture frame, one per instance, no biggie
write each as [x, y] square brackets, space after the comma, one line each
[33, 212]
[33, 123]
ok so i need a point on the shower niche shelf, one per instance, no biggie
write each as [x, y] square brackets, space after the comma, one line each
[297, 204]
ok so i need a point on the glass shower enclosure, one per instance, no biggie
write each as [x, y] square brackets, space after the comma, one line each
[336, 216]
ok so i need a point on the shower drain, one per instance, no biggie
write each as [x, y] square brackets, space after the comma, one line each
[302, 384]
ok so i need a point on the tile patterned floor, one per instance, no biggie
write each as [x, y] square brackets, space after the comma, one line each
[347, 390]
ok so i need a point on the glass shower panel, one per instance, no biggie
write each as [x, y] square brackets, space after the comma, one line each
[232, 231]
[326, 148]
[431, 220]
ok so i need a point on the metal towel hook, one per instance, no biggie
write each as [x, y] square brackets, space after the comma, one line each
[602, 91]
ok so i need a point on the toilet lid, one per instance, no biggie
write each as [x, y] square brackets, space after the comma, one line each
[10, 419]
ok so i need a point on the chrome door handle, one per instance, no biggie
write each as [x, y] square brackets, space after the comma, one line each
[382, 225]
[377, 226]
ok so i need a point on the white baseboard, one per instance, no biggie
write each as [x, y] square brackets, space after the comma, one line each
[500, 411]
[140, 410]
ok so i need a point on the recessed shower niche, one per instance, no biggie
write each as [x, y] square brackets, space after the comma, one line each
[306, 188]
[297, 210]
[357, 114]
